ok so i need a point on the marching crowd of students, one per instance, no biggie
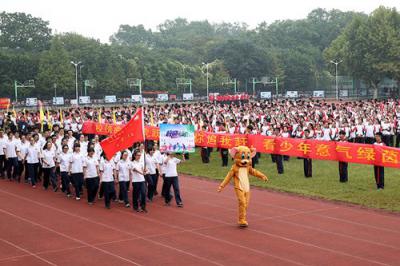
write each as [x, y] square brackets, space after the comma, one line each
[74, 162]
[64, 153]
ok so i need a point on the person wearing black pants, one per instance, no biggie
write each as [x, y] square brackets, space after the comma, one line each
[48, 165]
[2, 156]
[91, 174]
[151, 176]
[171, 178]
[107, 174]
[63, 160]
[224, 156]
[32, 158]
[379, 171]
[205, 156]
[138, 183]
[343, 172]
[343, 166]
[397, 137]
[307, 162]
[307, 166]
[277, 158]
[123, 173]
[2, 165]
[11, 152]
[76, 170]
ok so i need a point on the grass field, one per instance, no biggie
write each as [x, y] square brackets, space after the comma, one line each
[360, 189]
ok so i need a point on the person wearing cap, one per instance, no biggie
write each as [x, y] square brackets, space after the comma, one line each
[379, 171]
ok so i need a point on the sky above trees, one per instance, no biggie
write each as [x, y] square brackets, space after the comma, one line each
[100, 18]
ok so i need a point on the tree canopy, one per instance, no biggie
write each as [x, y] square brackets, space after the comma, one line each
[296, 51]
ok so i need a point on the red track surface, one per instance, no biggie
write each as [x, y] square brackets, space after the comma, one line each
[40, 227]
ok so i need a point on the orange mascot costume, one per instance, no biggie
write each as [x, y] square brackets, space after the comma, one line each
[240, 173]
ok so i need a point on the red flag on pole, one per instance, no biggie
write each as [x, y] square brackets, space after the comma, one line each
[132, 132]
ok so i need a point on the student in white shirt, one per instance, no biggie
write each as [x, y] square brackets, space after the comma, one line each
[171, 178]
[123, 173]
[11, 153]
[76, 170]
[22, 169]
[91, 174]
[152, 167]
[84, 145]
[138, 182]
[48, 165]
[63, 160]
[2, 156]
[159, 158]
[32, 158]
[107, 175]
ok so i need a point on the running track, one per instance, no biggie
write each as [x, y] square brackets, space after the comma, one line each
[40, 227]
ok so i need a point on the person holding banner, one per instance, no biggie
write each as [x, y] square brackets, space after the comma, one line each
[379, 171]
[343, 172]
[123, 172]
[171, 178]
[138, 183]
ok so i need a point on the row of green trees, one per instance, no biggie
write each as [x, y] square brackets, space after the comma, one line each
[296, 51]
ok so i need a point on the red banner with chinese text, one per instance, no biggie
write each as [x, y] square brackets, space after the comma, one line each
[5, 103]
[314, 149]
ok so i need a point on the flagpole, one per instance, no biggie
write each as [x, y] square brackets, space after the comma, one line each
[144, 138]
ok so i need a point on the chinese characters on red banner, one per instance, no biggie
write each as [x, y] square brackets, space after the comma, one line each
[314, 149]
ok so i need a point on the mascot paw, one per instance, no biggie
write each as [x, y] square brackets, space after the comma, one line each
[219, 189]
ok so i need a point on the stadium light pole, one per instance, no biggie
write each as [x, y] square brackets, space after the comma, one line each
[336, 63]
[76, 64]
[206, 65]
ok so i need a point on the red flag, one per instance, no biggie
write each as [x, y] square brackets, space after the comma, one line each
[132, 132]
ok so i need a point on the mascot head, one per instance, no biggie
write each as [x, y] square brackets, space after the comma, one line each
[242, 155]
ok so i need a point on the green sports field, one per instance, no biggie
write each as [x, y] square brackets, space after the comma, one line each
[360, 189]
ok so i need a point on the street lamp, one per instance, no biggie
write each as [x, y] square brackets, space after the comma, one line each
[80, 77]
[76, 79]
[206, 65]
[336, 63]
